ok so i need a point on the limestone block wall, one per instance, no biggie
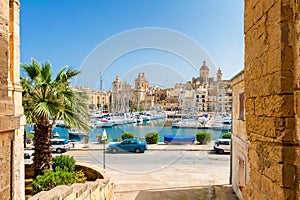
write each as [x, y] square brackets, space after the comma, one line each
[240, 164]
[11, 113]
[271, 98]
[102, 188]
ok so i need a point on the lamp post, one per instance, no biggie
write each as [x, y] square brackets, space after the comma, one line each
[104, 137]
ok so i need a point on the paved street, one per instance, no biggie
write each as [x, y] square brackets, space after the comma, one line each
[159, 169]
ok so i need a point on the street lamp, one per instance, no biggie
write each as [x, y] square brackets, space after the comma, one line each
[104, 138]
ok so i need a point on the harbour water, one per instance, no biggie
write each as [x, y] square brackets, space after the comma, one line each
[139, 131]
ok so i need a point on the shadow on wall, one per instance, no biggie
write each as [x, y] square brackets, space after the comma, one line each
[205, 192]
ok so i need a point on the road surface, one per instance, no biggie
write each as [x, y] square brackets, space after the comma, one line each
[159, 169]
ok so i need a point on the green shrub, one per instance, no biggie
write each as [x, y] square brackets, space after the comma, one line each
[203, 137]
[151, 138]
[51, 179]
[100, 139]
[30, 136]
[226, 136]
[127, 135]
[64, 162]
[80, 177]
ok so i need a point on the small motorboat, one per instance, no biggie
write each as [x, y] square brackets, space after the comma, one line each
[179, 139]
[73, 133]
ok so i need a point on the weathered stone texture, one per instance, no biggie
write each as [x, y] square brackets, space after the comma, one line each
[240, 172]
[12, 120]
[272, 103]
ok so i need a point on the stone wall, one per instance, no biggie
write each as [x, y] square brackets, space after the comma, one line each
[240, 164]
[98, 187]
[272, 98]
[11, 113]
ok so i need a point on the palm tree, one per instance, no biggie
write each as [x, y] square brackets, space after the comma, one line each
[46, 100]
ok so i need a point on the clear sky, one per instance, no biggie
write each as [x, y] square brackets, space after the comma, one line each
[65, 32]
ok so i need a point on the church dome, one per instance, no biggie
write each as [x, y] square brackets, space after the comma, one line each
[204, 66]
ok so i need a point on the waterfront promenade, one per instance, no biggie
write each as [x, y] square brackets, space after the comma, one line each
[95, 146]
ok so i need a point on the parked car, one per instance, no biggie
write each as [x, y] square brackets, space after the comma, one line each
[222, 145]
[133, 145]
[59, 145]
[72, 143]
[28, 155]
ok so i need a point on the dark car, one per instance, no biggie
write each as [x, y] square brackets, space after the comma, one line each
[133, 145]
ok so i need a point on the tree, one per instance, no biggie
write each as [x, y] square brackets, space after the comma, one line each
[46, 100]
[105, 107]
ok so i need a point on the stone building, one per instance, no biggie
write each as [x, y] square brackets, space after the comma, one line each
[272, 100]
[141, 87]
[96, 99]
[121, 94]
[12, 120]
[207, 94]
[117, 98]
[204, 72]
[240, 164]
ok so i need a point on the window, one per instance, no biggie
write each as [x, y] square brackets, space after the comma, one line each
[225, 142]
[242, 173]
[241, 107]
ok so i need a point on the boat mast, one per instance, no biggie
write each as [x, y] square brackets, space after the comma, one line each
[101, 106]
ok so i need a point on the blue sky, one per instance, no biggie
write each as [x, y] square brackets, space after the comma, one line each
[65, 32]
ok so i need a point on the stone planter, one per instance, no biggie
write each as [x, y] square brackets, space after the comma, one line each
[98, 186]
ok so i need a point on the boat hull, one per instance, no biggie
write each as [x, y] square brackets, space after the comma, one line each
[179, 139]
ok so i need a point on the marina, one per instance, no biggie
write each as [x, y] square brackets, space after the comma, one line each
[139, 130]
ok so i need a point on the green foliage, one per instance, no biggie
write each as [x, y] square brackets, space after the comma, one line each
[46, 97]
[151, 138]
[134, 108]
[127, 135]
[100, 139]
[64, 162]
[63, 173]
[51, 179]
[226, 136]
[92, 107]
[30, 136]
[203, 137]
[80, 177]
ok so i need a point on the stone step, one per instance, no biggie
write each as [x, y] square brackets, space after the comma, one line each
[28, 196]
[28, 187]
[28, 181]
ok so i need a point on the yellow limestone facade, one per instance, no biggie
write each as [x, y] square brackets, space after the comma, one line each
[12, 120]
[272, 98]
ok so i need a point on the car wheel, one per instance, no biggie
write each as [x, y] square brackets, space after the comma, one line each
[137, 150]
[114, 150]
[58, 150]
[220, 151]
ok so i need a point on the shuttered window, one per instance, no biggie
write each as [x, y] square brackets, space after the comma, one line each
[242, 106]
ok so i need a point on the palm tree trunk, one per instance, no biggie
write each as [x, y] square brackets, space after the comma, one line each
[42, 134]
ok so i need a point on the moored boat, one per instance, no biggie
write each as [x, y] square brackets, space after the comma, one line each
[75, 134]
[179, 139]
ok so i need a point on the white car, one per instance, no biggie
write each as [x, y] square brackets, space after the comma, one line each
[222, 145]
[59, 145]
[28, 155]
